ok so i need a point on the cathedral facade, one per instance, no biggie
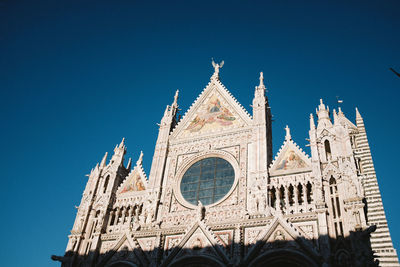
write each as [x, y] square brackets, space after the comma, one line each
[216, 195]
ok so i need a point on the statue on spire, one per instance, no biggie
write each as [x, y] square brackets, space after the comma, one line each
[261, 79]
[216, 68]
[288, 136]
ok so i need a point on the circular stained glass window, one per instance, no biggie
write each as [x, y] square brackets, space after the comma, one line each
[207, 180]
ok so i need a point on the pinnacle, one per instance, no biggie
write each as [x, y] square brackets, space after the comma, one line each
[176, 98]
[103, 161]
[340, 111]
[122, 142]
[129, 165]
[321, 105]
[358, 115]
[312, 123]
[140, 160]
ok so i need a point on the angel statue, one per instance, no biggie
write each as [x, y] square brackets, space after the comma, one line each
[216, 68]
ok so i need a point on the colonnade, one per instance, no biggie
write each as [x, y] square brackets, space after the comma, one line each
[292, 198]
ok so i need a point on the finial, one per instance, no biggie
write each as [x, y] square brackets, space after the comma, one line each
[261, 79]
[103, 161]
[288, 136]
[216, 68]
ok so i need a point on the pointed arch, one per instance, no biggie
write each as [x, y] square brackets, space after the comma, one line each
[335, 206]
[283, 258]
[200, 261]
[328, 152]
[106, 184]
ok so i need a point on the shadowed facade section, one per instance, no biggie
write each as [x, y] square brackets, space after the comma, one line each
[354, 250]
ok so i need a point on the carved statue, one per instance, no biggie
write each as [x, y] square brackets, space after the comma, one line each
[200, 211]
[262, 204]
[216, 68]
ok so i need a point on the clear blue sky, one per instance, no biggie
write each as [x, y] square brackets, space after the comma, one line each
[77, 76]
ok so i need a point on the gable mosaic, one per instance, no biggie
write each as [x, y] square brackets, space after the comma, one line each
[211, 115]
[291, 161]
[215, 196]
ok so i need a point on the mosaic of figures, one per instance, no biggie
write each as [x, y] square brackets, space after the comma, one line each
[212, 115]
[291, 161]
[133, 183]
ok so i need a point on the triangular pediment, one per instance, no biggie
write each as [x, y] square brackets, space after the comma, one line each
[136, 181]
[123, 250]
[290, 159]
[133, 183]
[215, 110]
[279, 233]
[198, 240]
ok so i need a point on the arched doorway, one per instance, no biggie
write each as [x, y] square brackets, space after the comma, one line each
[196, 261]
[283, 258]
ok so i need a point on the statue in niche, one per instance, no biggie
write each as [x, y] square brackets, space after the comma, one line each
[262, 204]
[253, 203]
[197, 244]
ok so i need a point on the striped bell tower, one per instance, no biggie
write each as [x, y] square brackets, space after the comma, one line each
[381, 241]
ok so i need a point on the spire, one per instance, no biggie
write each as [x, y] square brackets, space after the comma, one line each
[103, 161]
[259, 92]
[335, 117]
[119, 152]
[358, 115]
[216, 69]
[140, 160]
[359, 119]
[340, 113]
[312, 123]
[175, 103]
[323, 115]
[129, 165]
[288, 136]
[321, 104]
[122, 144]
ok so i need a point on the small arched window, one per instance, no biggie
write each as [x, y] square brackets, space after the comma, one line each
[272, 193]
[309, 193]
[328, 152]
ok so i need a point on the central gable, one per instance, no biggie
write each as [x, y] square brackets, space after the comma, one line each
[215, 110]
